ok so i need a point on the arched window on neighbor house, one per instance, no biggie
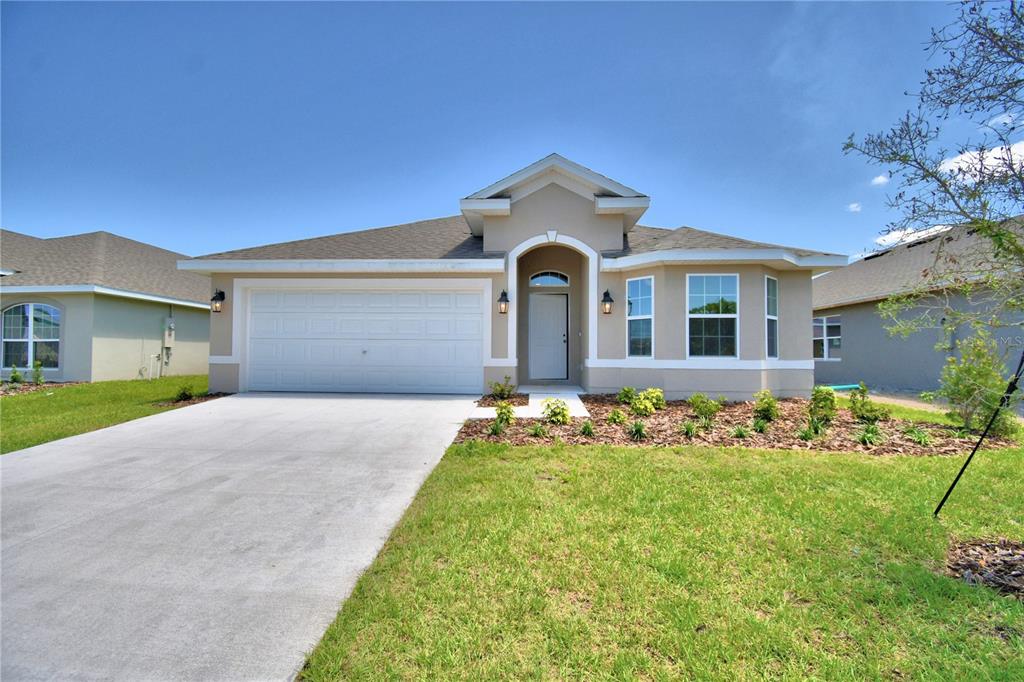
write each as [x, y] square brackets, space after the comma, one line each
[31, 332]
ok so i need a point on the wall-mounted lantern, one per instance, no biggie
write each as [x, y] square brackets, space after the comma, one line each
[606, 303]
[503, 302]
[216, 301]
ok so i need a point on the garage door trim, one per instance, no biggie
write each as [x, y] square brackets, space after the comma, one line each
[244, 287]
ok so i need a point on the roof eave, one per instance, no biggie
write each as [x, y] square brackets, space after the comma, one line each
[343, 265]
[780, 258]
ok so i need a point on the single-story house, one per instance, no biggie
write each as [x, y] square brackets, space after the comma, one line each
[851, 342]
[545, 276]
[96, 307]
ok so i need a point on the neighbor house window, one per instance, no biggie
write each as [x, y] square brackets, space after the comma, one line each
[640, 317]
[771, 312]
[549, 279]
[31, 332]
[828, 338]
[712, 317]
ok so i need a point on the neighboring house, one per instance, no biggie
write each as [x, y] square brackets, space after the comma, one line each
[96, 306]
[545, 277]
[851, 342]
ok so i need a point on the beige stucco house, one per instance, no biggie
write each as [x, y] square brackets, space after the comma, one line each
[97, 307]
[545, 276]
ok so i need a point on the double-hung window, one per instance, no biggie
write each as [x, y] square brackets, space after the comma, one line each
[771, 313]
[31, 332]
[712, 315]
[640, 317]
[828, 338]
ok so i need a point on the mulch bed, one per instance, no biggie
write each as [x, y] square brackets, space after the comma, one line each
[191, 401]
[517, 400]
[998, 564]
[8, 388]
[663, 429]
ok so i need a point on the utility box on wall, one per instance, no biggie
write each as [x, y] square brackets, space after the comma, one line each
[169, 332]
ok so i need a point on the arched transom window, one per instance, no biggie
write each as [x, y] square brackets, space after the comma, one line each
[549, 278]
[31, 332]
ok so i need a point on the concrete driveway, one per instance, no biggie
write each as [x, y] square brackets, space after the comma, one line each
[214, 542]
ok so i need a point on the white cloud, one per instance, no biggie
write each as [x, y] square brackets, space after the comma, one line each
[1000, 121]
[899, 236]
[853, 208]
[995, 157]
[879, 180]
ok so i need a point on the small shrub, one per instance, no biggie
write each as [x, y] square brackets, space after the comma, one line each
[626, 395]
[503, 390]
[184, 393]
[806, 433]
[704, 407]
[864, 409]
[688, 429]
[974, 384]
[497, 428]
[505, 413]
[740, 432]
[706, 423]
[766, 407]
[761, 426]
[538, 430]
[960, 433]
[918, 435]
[637, 430]
[641, 406]
[823, 405]
[616, 416]
[15, 377]
[816, 426]
[587, 428]
[556, 411]
[656, 396]
[37, 372]
[869, 435]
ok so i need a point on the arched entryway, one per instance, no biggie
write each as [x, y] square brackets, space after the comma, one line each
[551, 312]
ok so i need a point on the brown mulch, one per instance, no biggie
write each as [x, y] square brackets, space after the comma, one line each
[8, 388]
[663, 429]
[192, 401]
[998, 564]
[517, 400]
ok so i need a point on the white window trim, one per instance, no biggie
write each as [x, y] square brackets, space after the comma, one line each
[29, 340]
[640, 317]
[686, 302]
[531, 285]
[778, 299]
[825, 337]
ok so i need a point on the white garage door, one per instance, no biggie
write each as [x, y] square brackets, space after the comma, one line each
[376, 341]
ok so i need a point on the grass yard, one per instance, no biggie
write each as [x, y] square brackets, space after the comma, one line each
[29, 419]
[706, 563]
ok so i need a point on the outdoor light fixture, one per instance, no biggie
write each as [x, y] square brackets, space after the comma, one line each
[503, 302]
[218, 298]
[606, 303]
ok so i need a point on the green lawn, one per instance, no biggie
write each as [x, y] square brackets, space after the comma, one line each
[581, 562]
[913, 414]
[41, 416]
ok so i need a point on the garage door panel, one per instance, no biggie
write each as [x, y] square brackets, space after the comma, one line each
[372, 341]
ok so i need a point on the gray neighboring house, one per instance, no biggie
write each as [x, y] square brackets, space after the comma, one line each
[851, 343]
[96, 307]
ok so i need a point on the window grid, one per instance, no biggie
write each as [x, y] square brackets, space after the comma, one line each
[640, 317]
[827, 337]
[771, 311]
[712, 315]
[31, 331]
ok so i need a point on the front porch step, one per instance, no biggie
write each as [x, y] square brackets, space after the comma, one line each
[535, 409]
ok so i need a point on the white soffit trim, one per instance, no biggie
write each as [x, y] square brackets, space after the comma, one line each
[345, 265]
[783, 256]
[700, 363]
[560, 163]
[621, 204]
[105, 291]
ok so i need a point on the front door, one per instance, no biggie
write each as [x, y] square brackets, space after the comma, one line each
[549, 336]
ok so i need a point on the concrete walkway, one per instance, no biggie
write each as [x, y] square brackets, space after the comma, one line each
[535, 408]
[214, 542]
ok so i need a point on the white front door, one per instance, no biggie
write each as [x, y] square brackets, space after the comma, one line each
[366, 340]
[549, 336]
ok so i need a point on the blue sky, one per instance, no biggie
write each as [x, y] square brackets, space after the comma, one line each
[202, 127]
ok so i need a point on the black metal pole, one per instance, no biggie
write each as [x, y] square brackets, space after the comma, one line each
[1003, 402]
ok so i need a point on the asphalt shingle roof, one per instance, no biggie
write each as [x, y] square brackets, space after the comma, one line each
[98, 259]
[451, 238]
